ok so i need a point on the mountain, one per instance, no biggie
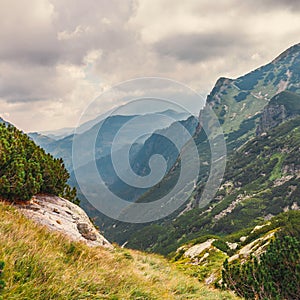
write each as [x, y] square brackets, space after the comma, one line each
[262, 179]
[241, 116]
[64, 132]
[239, 102]
[58, 134]
[63, 147]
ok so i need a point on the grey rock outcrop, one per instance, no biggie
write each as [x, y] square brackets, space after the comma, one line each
[271, 117]
[61, 215]
[282, 107]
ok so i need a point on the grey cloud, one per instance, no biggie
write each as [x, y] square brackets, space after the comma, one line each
[102, 24]
[31, 50]
[27, 83]
[249, 7]
[198, 47]
[275, 4]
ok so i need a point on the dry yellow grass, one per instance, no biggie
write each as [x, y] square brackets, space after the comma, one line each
[44, 265]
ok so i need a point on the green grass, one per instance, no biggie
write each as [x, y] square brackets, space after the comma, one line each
[276, 172]
[40, 264]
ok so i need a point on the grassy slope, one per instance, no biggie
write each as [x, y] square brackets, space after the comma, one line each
[45, 265]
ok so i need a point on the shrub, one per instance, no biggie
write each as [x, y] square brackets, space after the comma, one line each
[275, 276]
[25, 168]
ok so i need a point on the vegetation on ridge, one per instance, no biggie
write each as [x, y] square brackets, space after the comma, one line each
[276, 275]
[25, 168]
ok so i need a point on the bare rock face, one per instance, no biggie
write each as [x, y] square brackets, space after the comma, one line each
[61, 215]
[272, 116]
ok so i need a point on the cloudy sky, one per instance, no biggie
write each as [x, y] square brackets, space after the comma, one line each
[57, 55]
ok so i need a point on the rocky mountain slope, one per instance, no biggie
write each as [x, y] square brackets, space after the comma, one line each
[238, 104]
[238, 100]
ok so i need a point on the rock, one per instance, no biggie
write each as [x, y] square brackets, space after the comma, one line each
[232, 246]
[258, 227]
[280, 108]
[61, 215]
[295, 206]
[272, 116]
[256, 247]
[243, 238]
[86, 232]
[56, 210]
[198, 249]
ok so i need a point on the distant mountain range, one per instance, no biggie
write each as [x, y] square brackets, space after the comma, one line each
[64, 132]
[140, 155]
[109, 127]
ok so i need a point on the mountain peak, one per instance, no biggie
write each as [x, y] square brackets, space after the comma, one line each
[220, 85]
[239, 102]
[295, 49]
